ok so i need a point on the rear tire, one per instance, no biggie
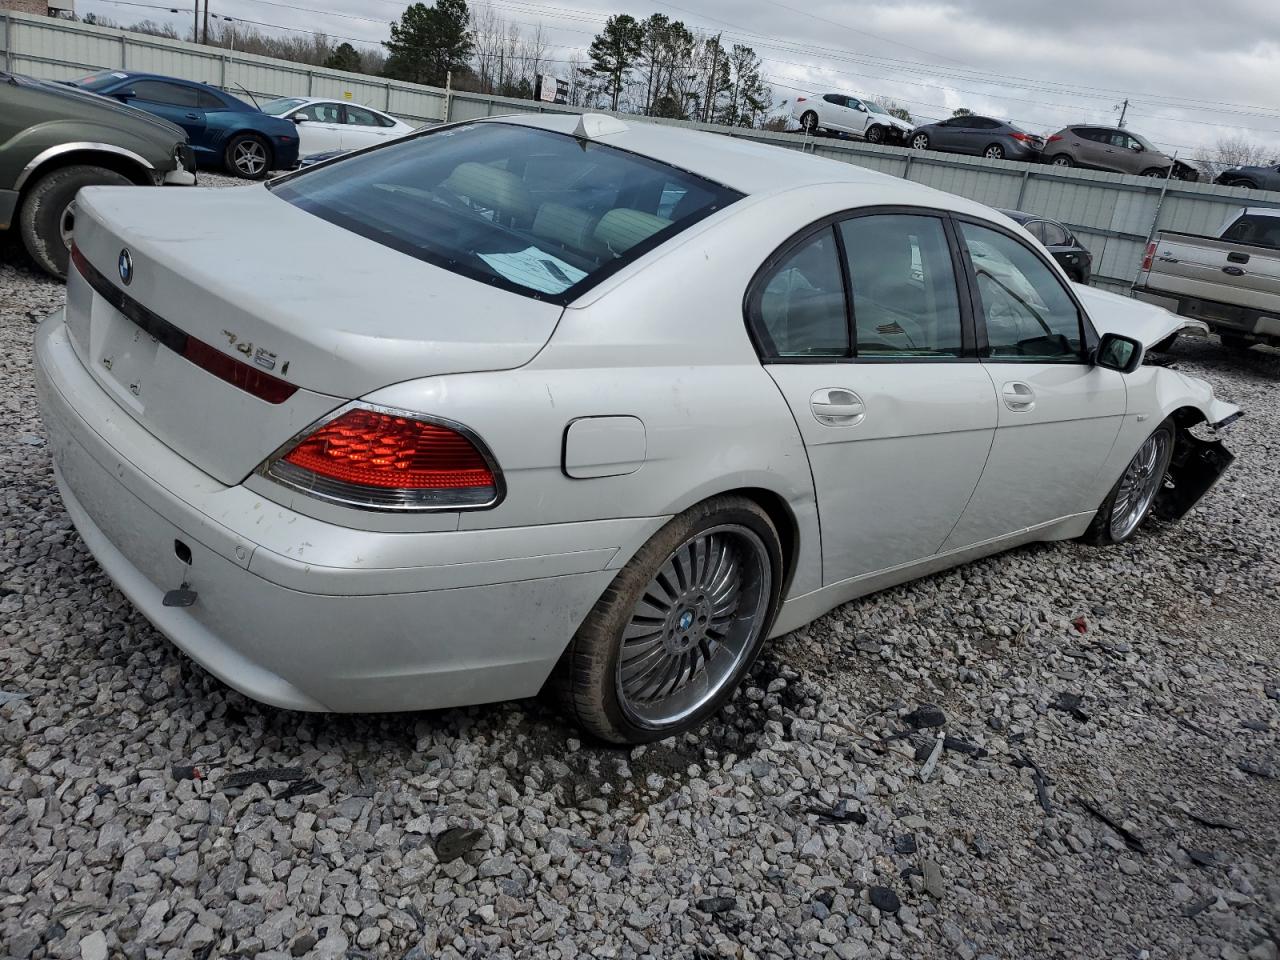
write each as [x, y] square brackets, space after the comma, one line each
[875, 134]
[1234, 343]
[920, 141]
[1131, 499]
[690, 619]
[1247, 184]
[994, 152]
[1165, 345]
[47, 216]
[248, 155]
[1156, 173]
[1062, 160]
[809, 122]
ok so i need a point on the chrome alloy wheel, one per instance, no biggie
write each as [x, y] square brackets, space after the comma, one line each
[249, 157]
[696, 621]
[1139, 485]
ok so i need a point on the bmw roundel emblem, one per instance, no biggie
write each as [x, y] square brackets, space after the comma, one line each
[125, 263]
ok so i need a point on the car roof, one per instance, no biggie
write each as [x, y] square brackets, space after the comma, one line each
[747, 166]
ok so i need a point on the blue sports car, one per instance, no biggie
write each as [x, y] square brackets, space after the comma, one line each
[224, 131]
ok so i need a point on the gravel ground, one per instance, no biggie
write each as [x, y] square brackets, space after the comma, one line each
[1107, 788]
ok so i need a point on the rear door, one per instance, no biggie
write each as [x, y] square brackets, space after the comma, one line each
[1059, 415]
[832, 114]
[1089, 145]
[361, 128]
[861, 324]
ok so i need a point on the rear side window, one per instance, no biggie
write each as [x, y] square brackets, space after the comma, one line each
[172, 94]
[905, 302]
[207, 101]
[1255, 231]
[539, 213]
[801, 306]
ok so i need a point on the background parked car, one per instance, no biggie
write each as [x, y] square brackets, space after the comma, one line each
[840, 113]
[1255, 178]
[224, 130]
[1106, 148]
[1059, 241]
[55, 140]
[328, 125]
[980, 136]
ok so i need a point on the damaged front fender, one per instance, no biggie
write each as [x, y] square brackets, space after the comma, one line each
[1196, 466]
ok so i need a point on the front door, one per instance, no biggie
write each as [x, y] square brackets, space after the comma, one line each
[362, 129]
[861, 325]
[321, 128]
[1059, 415]
[176, 102]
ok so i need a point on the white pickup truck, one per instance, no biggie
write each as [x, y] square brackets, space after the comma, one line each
[1231, 281]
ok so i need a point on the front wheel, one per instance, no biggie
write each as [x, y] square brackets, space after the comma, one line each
[48, 213]
[994, 152]
[1130, 500]
[875, 134]
[920, 141]
[1156, 173]
[249, 156]
[672, 636]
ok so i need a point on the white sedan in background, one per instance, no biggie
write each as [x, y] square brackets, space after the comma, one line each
[329, 125]
[608, 403]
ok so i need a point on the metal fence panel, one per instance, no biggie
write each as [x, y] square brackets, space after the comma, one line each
[1113, 215]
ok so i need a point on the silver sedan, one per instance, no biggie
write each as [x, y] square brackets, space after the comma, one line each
[567, 398]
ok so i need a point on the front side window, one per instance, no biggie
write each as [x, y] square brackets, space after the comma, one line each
[800, 311]
[321, 113]
[539, 213]
[1029, 315]
[834, 98]
[905, 303]
[171, 94]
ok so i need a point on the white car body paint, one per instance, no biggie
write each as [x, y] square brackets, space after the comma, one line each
[318, 136]
[315, 606]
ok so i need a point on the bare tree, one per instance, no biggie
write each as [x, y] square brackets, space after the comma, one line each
[1237, 151]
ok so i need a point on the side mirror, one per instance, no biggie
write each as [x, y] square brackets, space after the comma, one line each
[123, 95]
[1119, 353]
[1136, 148]
[298, 118]
[862, 108]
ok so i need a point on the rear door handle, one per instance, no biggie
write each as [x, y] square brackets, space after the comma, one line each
[837, 407]
[1019, 397]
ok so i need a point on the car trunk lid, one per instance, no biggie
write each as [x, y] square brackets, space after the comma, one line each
[244, 319]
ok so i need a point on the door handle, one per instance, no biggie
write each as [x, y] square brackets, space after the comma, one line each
[837, 407]
[1236, 257]
[193, 116]
[1019, 397]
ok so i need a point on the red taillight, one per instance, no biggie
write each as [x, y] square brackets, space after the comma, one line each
[237, 373]
[1148, 256]
[800, 99]
[1024, 138]
[381, 459]
[1054, 139]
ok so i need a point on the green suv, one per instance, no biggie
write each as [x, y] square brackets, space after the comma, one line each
[56, 139]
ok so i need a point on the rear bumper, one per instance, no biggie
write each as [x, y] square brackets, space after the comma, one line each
[1247, 322]
[478, 616]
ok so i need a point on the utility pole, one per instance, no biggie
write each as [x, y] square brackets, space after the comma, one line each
[206, 23]
[1124, 107]
[195, 26]
[709, 110]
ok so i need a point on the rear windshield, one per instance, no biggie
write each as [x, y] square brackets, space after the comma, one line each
[542, 214]
[100, 80]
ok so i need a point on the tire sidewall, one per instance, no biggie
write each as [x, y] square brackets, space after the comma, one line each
[40, 216]
[641, 569]
[920, 146]
[1062, 160]
[875, 134]
[809, 121]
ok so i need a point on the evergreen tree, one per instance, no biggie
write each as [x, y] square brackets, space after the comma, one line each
[429, 42]
[614, 53]
[345, 57]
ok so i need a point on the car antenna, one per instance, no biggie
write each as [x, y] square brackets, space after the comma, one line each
[251, 96]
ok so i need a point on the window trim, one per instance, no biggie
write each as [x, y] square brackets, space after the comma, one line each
[1088, 335]
[969, 352]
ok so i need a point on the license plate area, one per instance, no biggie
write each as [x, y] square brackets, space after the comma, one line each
[123, 354]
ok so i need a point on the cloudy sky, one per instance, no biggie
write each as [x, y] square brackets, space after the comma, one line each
[1194, 71]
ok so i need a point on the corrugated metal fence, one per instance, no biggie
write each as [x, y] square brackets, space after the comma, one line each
[1112, 215]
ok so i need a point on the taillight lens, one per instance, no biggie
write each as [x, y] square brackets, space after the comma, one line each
[1054, 139]
[800, 99]
[382, 459]
[1022, 137]
[1148, 256]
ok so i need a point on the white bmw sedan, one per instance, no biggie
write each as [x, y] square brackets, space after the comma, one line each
[575, 399]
